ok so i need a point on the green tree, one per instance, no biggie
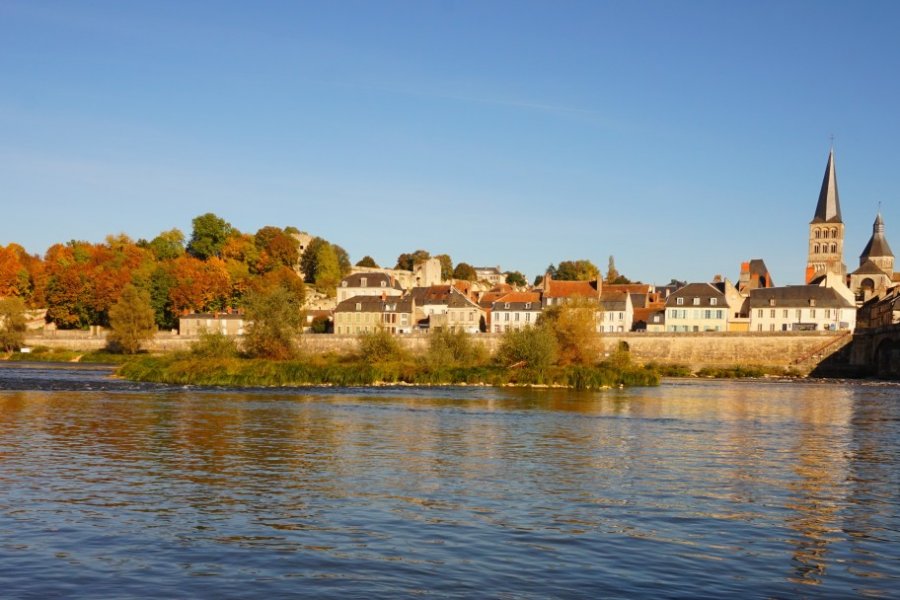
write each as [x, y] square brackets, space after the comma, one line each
[328, 270]
[12, 323]
[309, 261]
[275, 323]
[516, 278]
[465, 271]
[343, 259]
[576, 270]
[611, 273]
[161, 282]
[167, 245]
[209, 236]
[379, 346]
[408, 261]
[452, 348]
[532, 347]
[132, 321]
[367, 261]
[446, 266]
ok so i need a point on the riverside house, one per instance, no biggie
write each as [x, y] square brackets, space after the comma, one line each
[368, 284]
[800, 308]
[697, 307]
[367, 314]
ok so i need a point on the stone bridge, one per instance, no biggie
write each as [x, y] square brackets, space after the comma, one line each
[878, 351]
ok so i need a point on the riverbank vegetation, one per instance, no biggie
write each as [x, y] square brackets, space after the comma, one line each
[557, 352]
[61, 355]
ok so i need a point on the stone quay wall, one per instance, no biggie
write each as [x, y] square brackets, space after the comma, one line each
[695, 350]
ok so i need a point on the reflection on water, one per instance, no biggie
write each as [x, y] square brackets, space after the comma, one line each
[697, 489]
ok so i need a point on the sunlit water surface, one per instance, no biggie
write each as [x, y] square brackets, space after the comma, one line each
[693, 489]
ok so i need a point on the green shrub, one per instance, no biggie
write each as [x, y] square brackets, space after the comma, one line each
[453, 348]
[379, 346]
[533, 348]
[214, 345]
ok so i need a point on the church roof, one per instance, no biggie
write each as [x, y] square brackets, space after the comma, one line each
[869, 268]
[877, 246]
[828, 209]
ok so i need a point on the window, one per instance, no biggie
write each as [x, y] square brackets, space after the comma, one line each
[812, 301]
[759, 327]
[707, 314]
[471, 316]
[506, 316]
[506, 306]
[772, 303]
[528, 306]
[772, 314]
[362, 282]
[784, 314]
[343, 284]
[818, 234]
[517, 316]
[815, 248]
[827, 313]
[679, 301]
[527, 317]
[834, 248]
[812, 313]
[696, 301]
[718, 314]
[358, 306]
[759, 313]
[712, 301]
[384, 284]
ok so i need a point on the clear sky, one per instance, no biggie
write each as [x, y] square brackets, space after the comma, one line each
[681, 137]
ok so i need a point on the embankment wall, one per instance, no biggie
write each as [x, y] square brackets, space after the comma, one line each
[696, 350]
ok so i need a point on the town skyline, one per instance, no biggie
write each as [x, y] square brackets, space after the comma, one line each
[682, 142]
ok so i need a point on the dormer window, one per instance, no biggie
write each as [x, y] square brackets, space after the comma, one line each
[712, 301]
[343, 284]
[696, 301]
[771, 301]
[363, 281]
[384, 284]
[359, 306]
[812, 301]
[528, 306]
[679, 301]
[506, 305]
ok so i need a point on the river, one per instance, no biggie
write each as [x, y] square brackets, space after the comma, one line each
[694, 489]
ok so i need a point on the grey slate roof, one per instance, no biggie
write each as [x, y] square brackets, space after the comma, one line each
[797, 296]
[704, 291]
[869, 268]
[828, 209]
[376, 304]
[877, 245]
[373, 280]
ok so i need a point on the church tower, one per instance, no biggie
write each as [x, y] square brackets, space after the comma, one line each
[826, 230]
[876, 265]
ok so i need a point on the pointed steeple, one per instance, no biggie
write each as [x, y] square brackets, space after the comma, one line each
[877, 246]
[828, 210]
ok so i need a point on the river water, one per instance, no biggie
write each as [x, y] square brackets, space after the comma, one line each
[696, 489]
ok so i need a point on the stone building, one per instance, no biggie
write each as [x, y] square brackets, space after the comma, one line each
[876, 265]
[826, 230]
[801, 308]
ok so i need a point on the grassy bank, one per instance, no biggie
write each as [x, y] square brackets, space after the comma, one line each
[44, 354]
[184, 368]
[726, 372]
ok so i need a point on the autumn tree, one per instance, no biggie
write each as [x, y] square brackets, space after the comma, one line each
[576, 270]
[209, 236]
[199, 285]
[14, 276]
[343, 260]
[132, 321]
[367, 261]
[465, 271]
[275, 322]
[12, 323]
[277, 247]
[574, 325]
[516, 278]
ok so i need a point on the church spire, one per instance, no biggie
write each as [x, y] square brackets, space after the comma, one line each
[877, 246]
[828, 210]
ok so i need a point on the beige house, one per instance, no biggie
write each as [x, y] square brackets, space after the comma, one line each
[367, 314]
[515, 310]
[461, 314]
[801, 308]
[368, 284]
[225, 323]
[492, 275]
[697, 307]
[616, 312]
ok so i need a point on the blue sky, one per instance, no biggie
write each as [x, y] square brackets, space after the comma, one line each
[681, 137]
